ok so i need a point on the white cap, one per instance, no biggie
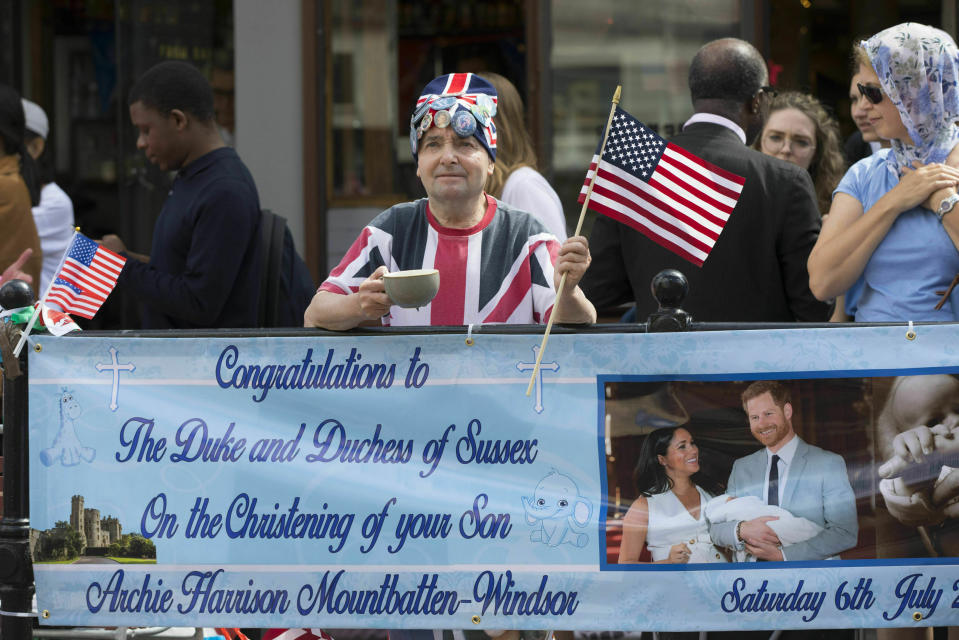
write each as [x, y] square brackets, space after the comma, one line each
[36, 118]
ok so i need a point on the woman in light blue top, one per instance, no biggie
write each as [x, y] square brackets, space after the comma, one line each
[894, 218]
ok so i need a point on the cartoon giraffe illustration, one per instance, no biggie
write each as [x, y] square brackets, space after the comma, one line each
[67, 448]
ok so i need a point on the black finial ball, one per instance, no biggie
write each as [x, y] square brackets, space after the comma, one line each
[669, 287]
[15, 294]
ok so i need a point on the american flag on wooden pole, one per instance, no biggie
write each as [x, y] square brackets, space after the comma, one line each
[614, 107]
[669, 195]
[87, 274]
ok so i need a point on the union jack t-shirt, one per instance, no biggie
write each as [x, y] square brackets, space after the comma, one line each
[499, 271]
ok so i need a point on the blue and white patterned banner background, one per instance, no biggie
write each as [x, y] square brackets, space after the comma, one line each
[386, 482]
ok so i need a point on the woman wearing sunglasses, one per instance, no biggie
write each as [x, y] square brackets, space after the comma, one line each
[894, 218]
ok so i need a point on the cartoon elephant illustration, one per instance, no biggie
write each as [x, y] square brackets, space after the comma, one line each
[555, 509]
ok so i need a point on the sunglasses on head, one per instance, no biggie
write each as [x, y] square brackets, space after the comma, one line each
[872, 94]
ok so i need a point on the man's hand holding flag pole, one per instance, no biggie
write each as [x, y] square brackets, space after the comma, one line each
[674, 198]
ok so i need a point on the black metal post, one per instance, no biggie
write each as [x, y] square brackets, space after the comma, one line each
[669, 287]
[16, 568]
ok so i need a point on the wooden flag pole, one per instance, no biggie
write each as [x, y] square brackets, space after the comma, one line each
[579, 227]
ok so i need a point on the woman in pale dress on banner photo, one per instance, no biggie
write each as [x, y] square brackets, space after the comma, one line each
[668, 516]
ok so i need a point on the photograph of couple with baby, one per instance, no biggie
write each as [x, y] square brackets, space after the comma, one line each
[787, 470]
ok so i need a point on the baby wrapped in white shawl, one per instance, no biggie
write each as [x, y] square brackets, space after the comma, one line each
[789, 528]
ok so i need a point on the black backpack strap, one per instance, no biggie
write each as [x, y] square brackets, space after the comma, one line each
[272, 230]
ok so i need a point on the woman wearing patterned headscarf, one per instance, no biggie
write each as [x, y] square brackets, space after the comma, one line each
[894, 219]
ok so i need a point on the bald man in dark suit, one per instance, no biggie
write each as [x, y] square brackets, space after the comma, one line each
[757, 270]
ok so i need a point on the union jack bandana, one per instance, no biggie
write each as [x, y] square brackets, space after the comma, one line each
[464, 101]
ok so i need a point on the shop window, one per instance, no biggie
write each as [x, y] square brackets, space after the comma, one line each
[643, 46]
[381, 53]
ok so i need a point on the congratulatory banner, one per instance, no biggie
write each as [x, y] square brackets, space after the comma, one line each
[407, 481]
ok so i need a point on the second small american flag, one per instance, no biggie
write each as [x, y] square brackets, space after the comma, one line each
[674, 198]
[87, 275]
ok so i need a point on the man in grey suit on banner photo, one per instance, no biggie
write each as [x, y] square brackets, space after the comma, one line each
[807, 481]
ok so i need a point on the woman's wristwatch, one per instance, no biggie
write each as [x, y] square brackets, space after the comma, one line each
[947, 205]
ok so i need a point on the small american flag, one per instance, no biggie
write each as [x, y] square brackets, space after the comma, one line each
[666, 193]
[87, 276]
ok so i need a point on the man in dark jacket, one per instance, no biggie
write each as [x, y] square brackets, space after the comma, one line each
[757, 270]
[204, 268]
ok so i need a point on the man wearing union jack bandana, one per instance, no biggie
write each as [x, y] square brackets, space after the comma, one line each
[496, 264]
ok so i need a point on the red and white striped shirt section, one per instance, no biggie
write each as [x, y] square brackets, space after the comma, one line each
[499, 271]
